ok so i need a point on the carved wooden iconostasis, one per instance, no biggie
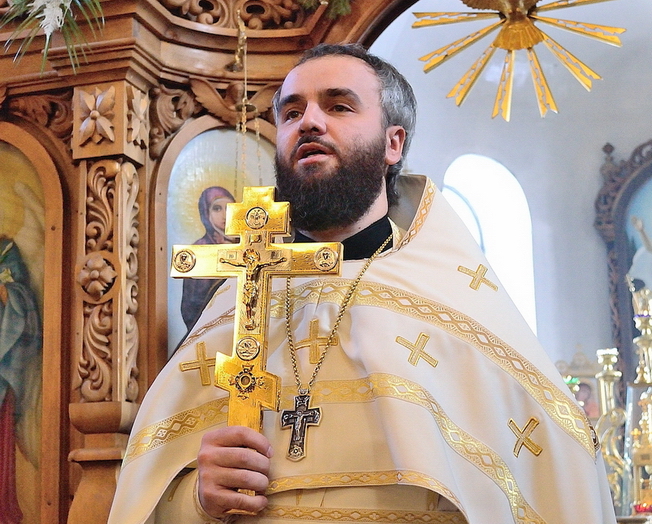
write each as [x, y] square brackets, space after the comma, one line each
[92, 163]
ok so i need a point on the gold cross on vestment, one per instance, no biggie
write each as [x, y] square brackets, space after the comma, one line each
[315, 342]
[202, 364]
[257, 220]
[478, 277]
[417, 350]
[523, 436]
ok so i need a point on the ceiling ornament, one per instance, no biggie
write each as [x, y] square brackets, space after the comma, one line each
[517, 31]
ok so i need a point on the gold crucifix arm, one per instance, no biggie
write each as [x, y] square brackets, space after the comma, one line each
[257, 220]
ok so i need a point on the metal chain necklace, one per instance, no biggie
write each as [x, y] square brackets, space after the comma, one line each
[303, 415]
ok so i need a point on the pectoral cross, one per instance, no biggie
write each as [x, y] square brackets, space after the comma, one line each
[298, 419]
[254, 261]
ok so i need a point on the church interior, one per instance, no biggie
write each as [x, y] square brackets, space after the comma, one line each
[106, 150]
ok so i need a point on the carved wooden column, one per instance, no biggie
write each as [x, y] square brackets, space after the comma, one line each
[110, 134]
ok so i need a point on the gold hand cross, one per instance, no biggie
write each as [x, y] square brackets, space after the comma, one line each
[254, 260]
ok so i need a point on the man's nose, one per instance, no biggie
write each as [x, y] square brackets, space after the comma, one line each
[313, 120]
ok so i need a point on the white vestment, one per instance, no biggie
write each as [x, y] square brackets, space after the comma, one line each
[436, 384]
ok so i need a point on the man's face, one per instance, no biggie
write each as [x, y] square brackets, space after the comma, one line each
[331, 153]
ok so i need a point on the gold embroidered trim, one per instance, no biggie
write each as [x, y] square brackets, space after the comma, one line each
[523, 437]
[362, 478]
[478, 277]
[225, 318]
[417, 350]
[362, 515]
[201, 364]
[559, 407]
[421, 214]
[331, 392]
[361, 390]
[476, 452]
[417, 223]
[178, 425]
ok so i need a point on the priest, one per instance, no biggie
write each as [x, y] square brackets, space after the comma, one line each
[412, 389]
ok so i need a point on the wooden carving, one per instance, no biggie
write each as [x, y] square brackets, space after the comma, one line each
[228, 108]
[96, 114]
[109, 309]
[169, 110]
[52, 111]
[137, 121]
[256, 14]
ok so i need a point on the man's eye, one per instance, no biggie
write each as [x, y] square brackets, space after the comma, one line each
[339, 108]
[292, 114]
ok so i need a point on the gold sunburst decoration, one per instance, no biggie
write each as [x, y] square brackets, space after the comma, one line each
[517, 31]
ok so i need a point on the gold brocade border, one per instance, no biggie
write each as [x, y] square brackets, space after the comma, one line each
[362, 478]
[361, 515]
[332, 391]
[472, 450]
[361, 390]
[184, 423]
[225, 318]
[559, 407]
[421, 214]
[215, 412]
[476, 452]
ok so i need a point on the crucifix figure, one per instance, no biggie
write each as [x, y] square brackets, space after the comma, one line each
[254, 260]
[253, 265]
[299, 418]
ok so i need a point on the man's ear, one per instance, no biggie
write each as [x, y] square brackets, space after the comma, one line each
[395, 138]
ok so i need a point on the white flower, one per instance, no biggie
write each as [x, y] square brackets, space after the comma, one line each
[51, 13]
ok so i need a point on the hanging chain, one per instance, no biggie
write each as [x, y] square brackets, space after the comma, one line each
[240, 64]
[338, 320]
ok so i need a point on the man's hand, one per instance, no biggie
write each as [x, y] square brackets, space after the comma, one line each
[229, 459]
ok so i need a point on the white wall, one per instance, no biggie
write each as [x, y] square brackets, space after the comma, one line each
[556, 159]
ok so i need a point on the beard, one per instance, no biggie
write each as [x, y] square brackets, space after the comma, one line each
[319, 200]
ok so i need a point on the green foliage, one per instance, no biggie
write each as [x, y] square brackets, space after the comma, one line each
[335, 7]
[47, 16]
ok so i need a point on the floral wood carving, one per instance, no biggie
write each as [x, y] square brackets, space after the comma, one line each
[53, 111]
[138, 124]
[169, 110]
[109, 279]
[97, 276]
[256, 14]
[96, 114]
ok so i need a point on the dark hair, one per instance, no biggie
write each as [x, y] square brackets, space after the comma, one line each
[397, 100]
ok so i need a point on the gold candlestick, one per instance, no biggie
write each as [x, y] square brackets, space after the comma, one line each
[642, 456]
[641, 300]
[610, 423]
[607, 378]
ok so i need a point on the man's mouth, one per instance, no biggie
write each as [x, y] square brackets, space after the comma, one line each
[312, 150]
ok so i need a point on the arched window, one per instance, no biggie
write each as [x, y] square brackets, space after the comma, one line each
[492, 204]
